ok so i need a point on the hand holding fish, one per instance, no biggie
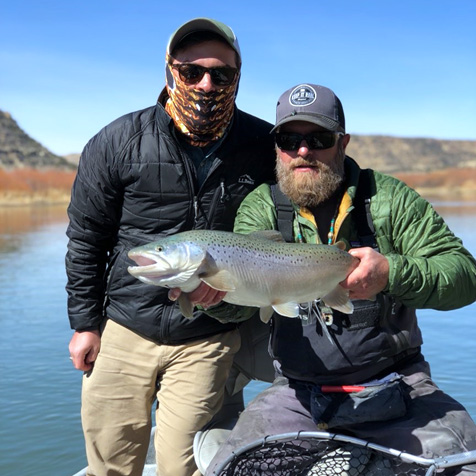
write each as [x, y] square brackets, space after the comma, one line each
[204, 296]
[370, 276]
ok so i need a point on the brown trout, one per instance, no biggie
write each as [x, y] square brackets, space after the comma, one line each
[259, 270]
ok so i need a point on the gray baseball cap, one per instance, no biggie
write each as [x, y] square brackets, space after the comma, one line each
[310, 103]
[204, 24]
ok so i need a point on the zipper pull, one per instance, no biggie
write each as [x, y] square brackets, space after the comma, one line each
[195, 208]
[224, 196]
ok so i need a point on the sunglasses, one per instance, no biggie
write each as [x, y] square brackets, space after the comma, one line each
[315, 140]
[191, 73]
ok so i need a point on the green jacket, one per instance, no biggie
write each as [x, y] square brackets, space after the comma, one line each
[429, 268]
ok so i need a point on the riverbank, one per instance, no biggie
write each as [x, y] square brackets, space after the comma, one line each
[28, 186]
[32, 186]
[446, 184]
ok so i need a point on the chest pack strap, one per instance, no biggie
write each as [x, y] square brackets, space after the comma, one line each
[362, 216]
[285, 213]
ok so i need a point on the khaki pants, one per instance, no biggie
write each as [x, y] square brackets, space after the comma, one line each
[129, 373]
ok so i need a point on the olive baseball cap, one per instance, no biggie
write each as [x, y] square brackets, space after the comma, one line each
[310, 103]
[204, 24]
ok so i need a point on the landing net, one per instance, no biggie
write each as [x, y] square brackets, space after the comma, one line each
[326, 454]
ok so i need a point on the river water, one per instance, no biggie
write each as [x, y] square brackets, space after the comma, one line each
[40, 432]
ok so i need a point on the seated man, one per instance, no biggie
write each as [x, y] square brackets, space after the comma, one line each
[409, 259]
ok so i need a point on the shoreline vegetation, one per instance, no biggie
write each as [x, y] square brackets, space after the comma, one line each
[443, 170]
[29, 186]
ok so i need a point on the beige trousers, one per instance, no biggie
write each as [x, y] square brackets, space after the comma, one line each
[118, 393]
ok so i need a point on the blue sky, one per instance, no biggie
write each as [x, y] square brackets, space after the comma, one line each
[401, 67]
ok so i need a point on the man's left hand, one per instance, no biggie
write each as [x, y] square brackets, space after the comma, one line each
[204, 296]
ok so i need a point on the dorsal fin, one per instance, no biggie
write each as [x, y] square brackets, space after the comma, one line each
[340, 245]
[272, 235]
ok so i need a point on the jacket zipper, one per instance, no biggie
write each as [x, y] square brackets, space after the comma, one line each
[168, 307]
[220, 196]
[195, 211]
[188, 171]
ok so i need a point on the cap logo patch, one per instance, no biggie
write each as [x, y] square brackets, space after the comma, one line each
[302, 95]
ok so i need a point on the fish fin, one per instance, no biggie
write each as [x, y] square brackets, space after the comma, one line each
[340, 245]
[186, 307]
[338, 299]
[288, 309]
[272, 235]
[265, 313]
[222, 280]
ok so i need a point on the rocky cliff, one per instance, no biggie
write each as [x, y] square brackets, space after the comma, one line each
[18, 150]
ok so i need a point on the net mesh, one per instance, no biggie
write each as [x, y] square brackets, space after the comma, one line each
[312, 457]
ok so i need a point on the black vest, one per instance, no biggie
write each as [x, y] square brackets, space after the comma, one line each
[354, 348]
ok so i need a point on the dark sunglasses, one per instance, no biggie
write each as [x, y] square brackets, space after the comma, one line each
[315, 140]
[191, 73]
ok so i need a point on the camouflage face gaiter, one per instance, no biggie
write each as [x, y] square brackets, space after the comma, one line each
[202, 117]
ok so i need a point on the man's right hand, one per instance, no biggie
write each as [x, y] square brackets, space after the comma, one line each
[84, 348]
[370, 276]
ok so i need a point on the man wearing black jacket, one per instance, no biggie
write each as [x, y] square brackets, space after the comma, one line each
[185, 163]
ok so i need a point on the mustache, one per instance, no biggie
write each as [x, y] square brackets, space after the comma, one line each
[305, 163]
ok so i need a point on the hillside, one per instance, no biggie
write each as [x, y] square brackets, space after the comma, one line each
[435, 168]
[31, 173]
[19, 150]
[397, 154]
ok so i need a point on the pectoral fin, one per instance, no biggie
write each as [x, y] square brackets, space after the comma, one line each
[265, 313]
[288, 309]
[186, 307]
[338, 299]
[222, 280]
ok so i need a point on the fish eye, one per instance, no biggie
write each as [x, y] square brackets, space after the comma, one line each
[159, 248]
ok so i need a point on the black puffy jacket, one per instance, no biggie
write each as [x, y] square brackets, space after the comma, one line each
[135, 184]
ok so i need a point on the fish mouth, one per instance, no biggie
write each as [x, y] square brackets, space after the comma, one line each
[143, 260]
[149, 265]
